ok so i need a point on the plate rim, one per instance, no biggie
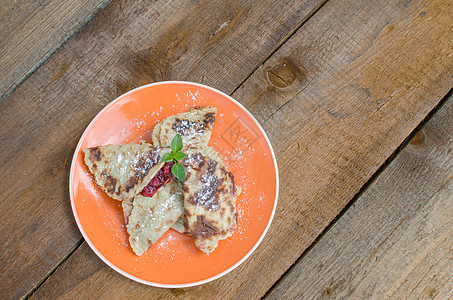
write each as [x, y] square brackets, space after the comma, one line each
[130, 276]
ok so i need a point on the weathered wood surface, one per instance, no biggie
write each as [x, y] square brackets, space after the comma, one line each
[336, 100]
[127, 44]
[30, 31]
[396, 241]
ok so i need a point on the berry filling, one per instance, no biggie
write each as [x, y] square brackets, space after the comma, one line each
[162, 177]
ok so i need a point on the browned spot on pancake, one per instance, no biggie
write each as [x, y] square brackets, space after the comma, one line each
[187, 213]
[204, 228]
[213, 185]
[234, 189]
[222, 211]
[208, 195]
[212, 164]
[137, 226]
[95, 166]
[197, 161]
[187, 127]
[145, 164]
[158, 229]
[209, 119]
[130, 184]
[110, 182]
[95, 154]
[232, 208]
[186, 227]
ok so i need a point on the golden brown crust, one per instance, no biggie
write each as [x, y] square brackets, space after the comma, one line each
[122, 171]
[209, 199]
[148, 218]
[195, 127]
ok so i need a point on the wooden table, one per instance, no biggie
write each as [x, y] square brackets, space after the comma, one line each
[355, 96]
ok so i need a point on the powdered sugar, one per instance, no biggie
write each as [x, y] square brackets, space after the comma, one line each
[207, 196]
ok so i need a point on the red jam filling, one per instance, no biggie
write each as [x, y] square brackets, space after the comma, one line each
[161, 178]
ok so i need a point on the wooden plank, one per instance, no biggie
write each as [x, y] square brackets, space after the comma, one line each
[333, 121]
[396, 241]
[127, 44]
[30, 31]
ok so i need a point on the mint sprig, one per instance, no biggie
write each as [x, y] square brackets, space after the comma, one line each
[176, 155]
[176, 143]
[178, 170]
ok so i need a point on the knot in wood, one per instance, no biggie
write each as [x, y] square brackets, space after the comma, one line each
[282, 75]
[418, 139]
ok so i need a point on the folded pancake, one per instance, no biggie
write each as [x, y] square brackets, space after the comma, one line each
[122, 171]
[180, 225]
[210, 195]
[194, 126]
[148, 218]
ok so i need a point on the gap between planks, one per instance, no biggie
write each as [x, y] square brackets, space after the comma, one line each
[82, 241]
[51, 271]
[40, 62]
[386, 163]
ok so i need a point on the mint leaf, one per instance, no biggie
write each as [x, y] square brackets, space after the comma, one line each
[167, 157]
[178, 171]
[179, 156]
[176, 143]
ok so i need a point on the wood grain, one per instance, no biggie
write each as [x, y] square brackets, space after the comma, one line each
[127, 44]
[336, 100]
[396, 241]
[30, 31]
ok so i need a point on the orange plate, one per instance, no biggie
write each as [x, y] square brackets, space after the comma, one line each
[174, 261]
